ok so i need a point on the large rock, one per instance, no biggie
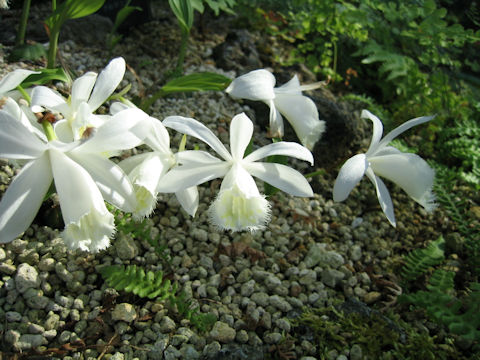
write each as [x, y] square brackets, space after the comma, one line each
[26, 278]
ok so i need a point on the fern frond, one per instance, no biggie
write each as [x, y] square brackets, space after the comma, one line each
[418, 261]
[442, 280]
[135, 280]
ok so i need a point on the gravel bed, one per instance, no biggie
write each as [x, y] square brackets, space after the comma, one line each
[314, 253]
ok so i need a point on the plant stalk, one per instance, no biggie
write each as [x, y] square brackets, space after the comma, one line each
[48, 129]
[22, 29]
[183, 50]
[52, 48]
[145, 105]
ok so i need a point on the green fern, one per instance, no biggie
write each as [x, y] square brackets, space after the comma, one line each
[135, 280]
[201, 321]
[461, 316]
[442, 280]
[457, 208]
[393, 65]
[418, 261]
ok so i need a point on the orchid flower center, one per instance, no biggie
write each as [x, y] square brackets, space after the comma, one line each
[234, 210]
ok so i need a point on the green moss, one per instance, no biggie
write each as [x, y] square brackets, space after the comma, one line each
[379, 336]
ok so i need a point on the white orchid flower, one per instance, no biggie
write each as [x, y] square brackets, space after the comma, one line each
[239, 204]
[83, 179]
[89, 92]
[287, 99]
[409, 171]
[146, 170]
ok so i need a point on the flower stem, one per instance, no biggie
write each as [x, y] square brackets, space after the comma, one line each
[20, 39]
[24, 94]
[183, 50]
[145, 105]
[48, 129]
[52, 48]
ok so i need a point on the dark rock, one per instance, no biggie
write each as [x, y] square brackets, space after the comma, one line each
[238, 52]
[75, 29]
[345, 131]
[239, 352]
[136, 17]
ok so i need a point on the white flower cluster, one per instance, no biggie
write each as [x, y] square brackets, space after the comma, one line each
[65, 142]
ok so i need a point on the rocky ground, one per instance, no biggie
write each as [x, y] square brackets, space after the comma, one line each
[313, 255]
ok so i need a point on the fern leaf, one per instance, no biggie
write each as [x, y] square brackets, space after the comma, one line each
[418, 261]
[442, 280]
[134, 279]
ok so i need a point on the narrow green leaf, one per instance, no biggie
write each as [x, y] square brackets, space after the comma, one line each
[183, 10]
[45, 76]
[80, 8]
[197, 82]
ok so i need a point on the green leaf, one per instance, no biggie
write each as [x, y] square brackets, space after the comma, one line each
[72, 9]
[80, 8]
[122, 15]
[183, 10]
[197, 82]
[198, 5]
[27, 52]
[45, 76]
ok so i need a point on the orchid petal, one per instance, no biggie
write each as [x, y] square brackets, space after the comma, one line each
[255, 85]
[410, 172]
[276, 128]
[23, 198]
[282, 177]
[82, 88]
[16, 141]
[383, 196]
[145, 178]
[302, 114]
[21, 113]
[292, 87]
[80, 202]
[377, 130]
[131, 162]
[196, 157]
[404, 127]
[239, 206]
[239, 176]
[110, 179]
[196, 129]
[63, 130]
[13, 79]
[107, 82]
[281, 148]
[349, 176]
[46, 97]
[81, 121]
[241, 131]
[158, 138]
[117, 107]
[123, 131]
[182, 177]
[188, 199]
[385, 150]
